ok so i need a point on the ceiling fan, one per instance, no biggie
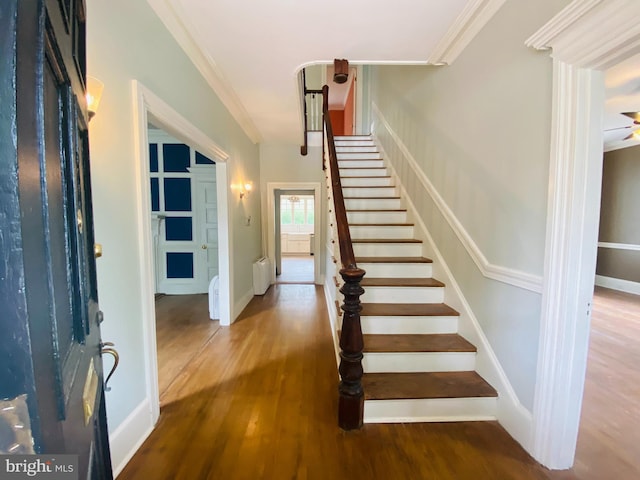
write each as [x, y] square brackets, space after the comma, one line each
[635, 133]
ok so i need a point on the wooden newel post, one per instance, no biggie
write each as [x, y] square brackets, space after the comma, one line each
[351, 402]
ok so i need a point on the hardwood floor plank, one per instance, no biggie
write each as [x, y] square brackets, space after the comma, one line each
[259, 401]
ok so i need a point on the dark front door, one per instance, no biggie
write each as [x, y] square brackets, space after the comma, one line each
[50, 347]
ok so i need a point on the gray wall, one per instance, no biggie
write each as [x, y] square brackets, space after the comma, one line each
[480, 131]
[620, 214]
[127, 41]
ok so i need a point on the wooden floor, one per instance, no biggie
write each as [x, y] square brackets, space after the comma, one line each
[297, 269]
[609, 437]
[183, 328]
[258, 400]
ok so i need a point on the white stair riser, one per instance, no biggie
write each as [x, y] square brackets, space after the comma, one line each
[402, 295]
[363, 172]
[430, 410]
[418, 362]
[357, 148]
[358, 156]
[354, 143]
[382, 231]
[397, 270]
[375, 325]
[366, 182]
[369, 192]
[387, 249]
[372, 203]
[360, 163]
[377, 217]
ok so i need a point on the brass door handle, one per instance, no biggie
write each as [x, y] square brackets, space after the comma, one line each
[204, 247]
[97, 250]
[106, 347]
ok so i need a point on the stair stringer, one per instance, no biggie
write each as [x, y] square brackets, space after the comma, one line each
[511, 414]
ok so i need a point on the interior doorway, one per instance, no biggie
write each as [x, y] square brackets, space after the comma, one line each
[184, 218]
[309, 211]
[295, 237]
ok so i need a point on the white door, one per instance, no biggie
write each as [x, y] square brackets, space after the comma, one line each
[206, 217]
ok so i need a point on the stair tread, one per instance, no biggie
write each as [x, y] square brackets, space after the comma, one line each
[440, 342]
[369, 176]
[363, 168]
[407, 310]
[378, 210]
[382, 224]
[372, 186]
[425, 385]
[371, 198]
[393, 260]
[400, 282]
[385, 240]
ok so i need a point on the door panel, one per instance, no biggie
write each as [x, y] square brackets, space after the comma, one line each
[61, 373]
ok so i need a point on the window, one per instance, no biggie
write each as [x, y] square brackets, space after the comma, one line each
[297, 210]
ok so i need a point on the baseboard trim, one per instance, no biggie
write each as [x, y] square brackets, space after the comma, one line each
[127, 438]
[241, 304]
[618, 284]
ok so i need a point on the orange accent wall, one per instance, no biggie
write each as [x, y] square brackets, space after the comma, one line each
[337, 121]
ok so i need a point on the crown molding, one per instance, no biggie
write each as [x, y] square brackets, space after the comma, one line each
[174, 21]
[473, 17]
[593, 34]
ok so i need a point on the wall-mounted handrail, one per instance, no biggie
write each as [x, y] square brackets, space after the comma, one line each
[351, 401]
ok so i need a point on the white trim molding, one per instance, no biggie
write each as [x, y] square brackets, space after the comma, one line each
[130, 434]
[619, 246]
[148, 106]
[171, 16]
[517, 278]
[584, 38]
[473, 17]
[618, 284]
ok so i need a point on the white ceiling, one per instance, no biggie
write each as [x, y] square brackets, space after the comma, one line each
[622, 94]
[251, 51]
[257, 47]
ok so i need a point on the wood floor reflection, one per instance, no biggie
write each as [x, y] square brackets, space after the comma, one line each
[259, 401]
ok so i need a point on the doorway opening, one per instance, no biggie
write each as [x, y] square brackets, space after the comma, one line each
[150, 109]
[184, 230]
[295, 237]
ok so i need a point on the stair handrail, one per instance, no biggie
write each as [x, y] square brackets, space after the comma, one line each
[351, 400]
[305, 114]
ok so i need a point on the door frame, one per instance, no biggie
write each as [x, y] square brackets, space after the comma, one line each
[149, 107]
[586, 38]
[317, 223]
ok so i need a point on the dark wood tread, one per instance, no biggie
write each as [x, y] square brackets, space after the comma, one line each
[382, 224]
[372, 186]
[385, 240]
[357, 159]
[407, 310]
[397, 386]
[379, 210]
[441, 342]
[393, 260]
[400, 282]
[363, 168]
[371, 198]
[369, 176]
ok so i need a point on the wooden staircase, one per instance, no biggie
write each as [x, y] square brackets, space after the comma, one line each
[417, 367]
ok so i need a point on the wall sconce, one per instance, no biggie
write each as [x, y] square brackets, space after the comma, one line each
[94, 94]
[245, 189]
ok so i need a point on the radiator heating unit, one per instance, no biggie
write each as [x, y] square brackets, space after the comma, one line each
[261, 276]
